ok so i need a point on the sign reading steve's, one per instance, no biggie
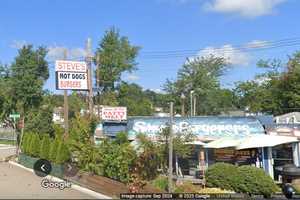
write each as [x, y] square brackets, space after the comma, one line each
[71, 75]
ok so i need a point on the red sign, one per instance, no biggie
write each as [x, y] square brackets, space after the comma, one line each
[114, 113]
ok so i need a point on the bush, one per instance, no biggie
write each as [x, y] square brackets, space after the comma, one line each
[34, 148]
[53, 150]
[25, 142]
[244, 179]
[256, 181]
[224, 176]
[117, 160]
[214, 191]
[186, 187]
[45, 147]
[58, 131]
[63, 154]
[161, 182]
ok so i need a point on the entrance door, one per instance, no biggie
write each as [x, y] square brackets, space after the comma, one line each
[282, 155]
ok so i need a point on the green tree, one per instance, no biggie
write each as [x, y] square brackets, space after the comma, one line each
[116, 55]
[39, 120]
[148, 158]
[7, 106]
[53, 149]
[201, 75]
[45, 147]
[181, 146]
[35, 145]
[29, 71]
[132, 96]
[63, 153]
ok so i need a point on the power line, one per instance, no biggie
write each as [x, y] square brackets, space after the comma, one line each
[244, 48]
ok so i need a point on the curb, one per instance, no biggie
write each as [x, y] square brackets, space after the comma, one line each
[74, 186]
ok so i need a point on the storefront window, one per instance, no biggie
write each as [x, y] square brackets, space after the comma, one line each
[282, 155]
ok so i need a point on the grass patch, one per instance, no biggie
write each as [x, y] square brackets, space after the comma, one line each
[8, 142]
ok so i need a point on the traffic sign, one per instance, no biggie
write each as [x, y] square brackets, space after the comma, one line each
[15, 115]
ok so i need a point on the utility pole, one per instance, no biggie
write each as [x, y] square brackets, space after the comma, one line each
[195, 105]
[170, 177]
[66, 105]
[182, 97]
[98, 83]
[191, 98]
[90, 77]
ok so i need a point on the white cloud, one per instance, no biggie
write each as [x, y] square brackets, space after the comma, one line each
[233, 56]
[245, 8]
[158, 90]
[18, 44]
[262, 80]
[132, 77]
[257, 44]
[57, 52]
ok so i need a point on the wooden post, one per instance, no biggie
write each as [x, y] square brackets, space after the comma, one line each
[66, 106]
[170, 177]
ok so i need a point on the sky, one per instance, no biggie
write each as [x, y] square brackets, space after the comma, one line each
[199, 27]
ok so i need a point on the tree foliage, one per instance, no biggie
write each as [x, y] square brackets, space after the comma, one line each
[29, 71]
[133, 97]
[117, 55]
[202, 76]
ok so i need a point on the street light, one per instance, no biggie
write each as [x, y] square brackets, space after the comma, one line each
[191, 98]
[182, 97]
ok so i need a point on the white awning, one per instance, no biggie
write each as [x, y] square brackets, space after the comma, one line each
[223, 143]
[196, 142]
[262, 140]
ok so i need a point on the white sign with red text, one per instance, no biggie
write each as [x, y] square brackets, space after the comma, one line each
[70, 66]
[71, 81]
[71, 75]
[114, 113]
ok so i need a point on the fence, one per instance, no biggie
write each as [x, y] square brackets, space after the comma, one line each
[8, 134]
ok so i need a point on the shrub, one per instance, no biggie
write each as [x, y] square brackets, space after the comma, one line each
[53, 149]
[186, 187]
[45, 147]
[214, 191]
[25, 142]
[58, 131]
[244, 179]
[256, 181]
[148, 159]
[117, 160]
[63, 154]
[34, 148]
[161, 182]
[224, 176]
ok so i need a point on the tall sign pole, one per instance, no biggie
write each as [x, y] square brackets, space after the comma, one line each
[170, 177]
[66, 105]
[98, 83]
[90, 77]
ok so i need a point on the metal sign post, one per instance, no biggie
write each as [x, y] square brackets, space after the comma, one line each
[15, 116]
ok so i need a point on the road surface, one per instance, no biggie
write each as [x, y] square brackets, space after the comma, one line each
[16, 182]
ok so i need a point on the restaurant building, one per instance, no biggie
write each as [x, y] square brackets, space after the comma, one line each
[236, 140]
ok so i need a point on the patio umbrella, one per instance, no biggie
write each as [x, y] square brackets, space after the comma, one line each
[262, 140]
[223, 143]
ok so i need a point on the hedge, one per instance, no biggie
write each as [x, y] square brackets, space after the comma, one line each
[41, 146]
[244, 179]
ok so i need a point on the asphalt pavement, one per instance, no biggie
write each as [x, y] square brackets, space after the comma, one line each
[16, 182]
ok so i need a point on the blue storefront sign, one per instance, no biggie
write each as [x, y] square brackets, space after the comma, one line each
[204, 128]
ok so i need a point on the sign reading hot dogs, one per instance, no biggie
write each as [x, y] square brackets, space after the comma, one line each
[71, 75]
